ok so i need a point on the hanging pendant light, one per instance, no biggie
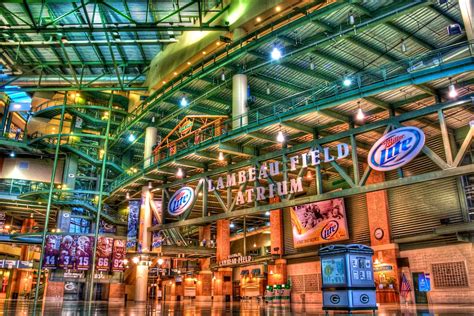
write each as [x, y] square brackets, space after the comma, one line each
[222, 75]
[403, 46]
[351, 18]
[360, 116]
[179, 173]
[280, 137]
[184, 101]
[127, 196]
[221, 156]
[452, 91]
[311, 64]
[268, 89]
[276, 53]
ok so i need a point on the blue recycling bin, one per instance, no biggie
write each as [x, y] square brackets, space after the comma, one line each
[348, 277]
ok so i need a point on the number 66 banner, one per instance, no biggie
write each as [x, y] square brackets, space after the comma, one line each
[104, 253]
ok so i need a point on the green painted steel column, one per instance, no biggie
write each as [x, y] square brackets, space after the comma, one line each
[99, 204]
[50, 198]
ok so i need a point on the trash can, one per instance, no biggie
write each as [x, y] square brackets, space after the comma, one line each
[348, 277]
[285, 293]
[276, 294]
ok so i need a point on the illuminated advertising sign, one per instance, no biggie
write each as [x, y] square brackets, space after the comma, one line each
[396, 148]
[319, 222]
[104, 253]
[181, 201]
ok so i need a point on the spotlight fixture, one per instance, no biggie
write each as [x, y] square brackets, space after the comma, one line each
[311, 63]
[222, 74]
[452, 90]
[351, 18]
[403, 46]
[360, 116]
[184, 101]
[12, 154]
[276, 53]
[179, 173]
[131, 138]
[347, 81]
[280, 137]
[221, 156]
[268, 90]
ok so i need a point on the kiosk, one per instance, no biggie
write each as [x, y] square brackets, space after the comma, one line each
[348, 277]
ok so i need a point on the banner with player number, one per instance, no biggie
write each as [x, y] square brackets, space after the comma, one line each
[104, 253]
[118, 255]
[51, 251]
[67, 252]
[84, 252]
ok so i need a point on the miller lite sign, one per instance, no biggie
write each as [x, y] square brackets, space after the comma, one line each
[396, 148]
[181, 201]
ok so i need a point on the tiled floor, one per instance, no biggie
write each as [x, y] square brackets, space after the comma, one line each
[190, 308]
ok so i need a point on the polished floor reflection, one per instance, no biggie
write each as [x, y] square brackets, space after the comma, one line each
[191, 308]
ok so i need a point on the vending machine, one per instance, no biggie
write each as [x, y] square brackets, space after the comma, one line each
[348, 277]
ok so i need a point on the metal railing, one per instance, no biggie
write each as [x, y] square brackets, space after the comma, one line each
[272, 112]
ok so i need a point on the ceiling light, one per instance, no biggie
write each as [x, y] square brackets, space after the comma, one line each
[189, 63]
[259, 19]
[471, 124]
[278, 8]
[268, 89]
[267, 213]
[131, 138]
[403, 46]
[222, 74]
[183, 101]
[160, 261]
[179, 173]
[12, 154]
[232, 225]
[221, 156]
[276, 53]
[452, 90]
[164, 82]
[311, 63]
[360, 116]
[347, 81]
[309, 175]
[255, 245]
[127, 196]
[351, 18]
[136, 260]
[280, 137]
[204, 52]
[150, 185]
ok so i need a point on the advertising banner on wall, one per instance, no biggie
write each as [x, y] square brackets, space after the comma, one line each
[51, 251]
[84, 252]
[104, 253]
[106, 228]
[67, 252]
[118, 256]
[132, 233]
[319, 222]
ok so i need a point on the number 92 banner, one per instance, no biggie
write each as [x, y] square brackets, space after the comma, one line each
[104, 253]
[119, 255]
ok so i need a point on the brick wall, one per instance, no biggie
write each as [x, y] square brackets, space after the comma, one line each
[306, 282]
[421, 260]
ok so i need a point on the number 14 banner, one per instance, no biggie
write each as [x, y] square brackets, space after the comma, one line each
[104, 253]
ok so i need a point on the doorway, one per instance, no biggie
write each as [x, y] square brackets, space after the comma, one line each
[420, 297]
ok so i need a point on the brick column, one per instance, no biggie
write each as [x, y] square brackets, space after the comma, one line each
[222, 284]
[276, 229]
[386, 252]
[22, 280]
[204, 283]
[277, 273]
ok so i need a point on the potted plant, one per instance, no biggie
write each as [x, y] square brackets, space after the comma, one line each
[391, 282]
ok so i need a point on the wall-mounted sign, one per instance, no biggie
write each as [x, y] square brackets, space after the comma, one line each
[186, 127]
[235, 259]
[181, 201]
[396, 148]
[424, 283]
[383, 267]
[319, 222]
[265, 171]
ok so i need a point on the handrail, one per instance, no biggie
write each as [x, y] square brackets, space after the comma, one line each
[274, 110]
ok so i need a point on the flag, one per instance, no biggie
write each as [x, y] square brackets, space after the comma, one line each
[405, 288]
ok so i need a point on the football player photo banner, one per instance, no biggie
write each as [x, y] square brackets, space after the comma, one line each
[84, 252]
[118, 255]
[319, 223]
[104, 253]
[51, 251]
[67, 252]
[132, 233]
